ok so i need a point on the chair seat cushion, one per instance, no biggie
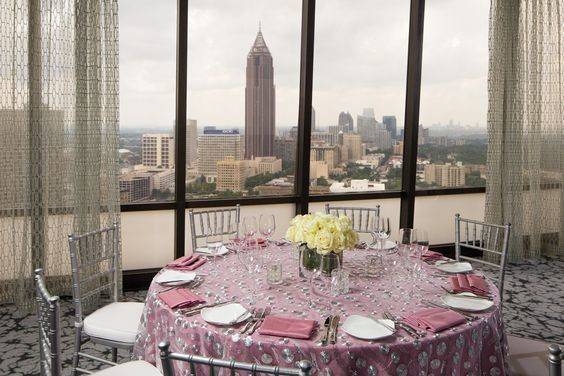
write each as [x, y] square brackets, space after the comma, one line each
[116, 322]
[137, 368]
[527, 357]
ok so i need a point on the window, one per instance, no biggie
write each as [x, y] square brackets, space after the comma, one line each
[147, 95]
[453, 116]
[358, 96]
[243, 91]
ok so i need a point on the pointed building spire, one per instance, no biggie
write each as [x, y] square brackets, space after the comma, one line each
[259, 45]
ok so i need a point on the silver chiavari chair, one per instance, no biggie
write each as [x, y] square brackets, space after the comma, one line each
[555, 356]
[220, 220]
[490, 239]
[304, 366]
[95, 275]
[48, 314]
[363, 219]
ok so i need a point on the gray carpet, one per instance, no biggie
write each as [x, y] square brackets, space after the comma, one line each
[533, 309]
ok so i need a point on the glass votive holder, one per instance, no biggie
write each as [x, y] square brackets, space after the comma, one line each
[374, 265]
[339, 282]
[274, 273]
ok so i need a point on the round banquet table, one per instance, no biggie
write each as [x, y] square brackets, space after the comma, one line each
[474, 348]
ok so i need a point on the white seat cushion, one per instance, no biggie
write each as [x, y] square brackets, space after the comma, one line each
[137, 368]
[527, 357]
[116, 322]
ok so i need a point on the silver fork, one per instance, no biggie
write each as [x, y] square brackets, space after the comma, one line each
[409, 330]
[191, 284]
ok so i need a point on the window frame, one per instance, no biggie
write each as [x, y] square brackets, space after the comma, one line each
[302, 197]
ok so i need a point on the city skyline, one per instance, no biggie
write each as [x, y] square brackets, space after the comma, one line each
[216, 60]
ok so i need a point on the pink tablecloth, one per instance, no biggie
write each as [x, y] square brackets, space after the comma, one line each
[476, 348]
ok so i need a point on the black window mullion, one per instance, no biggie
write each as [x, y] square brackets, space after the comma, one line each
[305, 103]
[180, 129]
[412, 100]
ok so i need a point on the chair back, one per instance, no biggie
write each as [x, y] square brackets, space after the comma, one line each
[48, 314]
[95, 266]
[555, 360]
[218, 220]
[491, 239]
[304, 366]
[364, 220]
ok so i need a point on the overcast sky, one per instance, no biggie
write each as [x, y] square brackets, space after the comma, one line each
[360, 59]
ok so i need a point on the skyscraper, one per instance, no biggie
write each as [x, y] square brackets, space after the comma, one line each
[259, 101]
[346, 122]
[391, 125]
[312, 119]
[191, 142]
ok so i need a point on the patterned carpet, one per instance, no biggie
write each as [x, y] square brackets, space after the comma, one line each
[533, 309]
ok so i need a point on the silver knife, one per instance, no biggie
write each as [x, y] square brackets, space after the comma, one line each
[326, 325]
[334, 328]
[260, 320]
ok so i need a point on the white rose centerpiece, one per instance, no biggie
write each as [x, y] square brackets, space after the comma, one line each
[321, 234]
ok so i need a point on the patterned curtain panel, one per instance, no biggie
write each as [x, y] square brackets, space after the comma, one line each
[59, 125]
[526, 125]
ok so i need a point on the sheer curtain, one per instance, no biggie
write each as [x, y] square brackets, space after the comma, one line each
[526, 124]
[59, 124]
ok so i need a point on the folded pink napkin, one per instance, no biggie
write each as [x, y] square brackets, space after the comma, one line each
[434, 319]
[280, 326]
[469, 283]
[187, 263]
[180, 298]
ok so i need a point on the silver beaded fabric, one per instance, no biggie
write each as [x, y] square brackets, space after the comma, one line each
[526, 125]
[59, 134]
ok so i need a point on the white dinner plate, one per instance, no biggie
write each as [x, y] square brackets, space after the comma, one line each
[170, 276]
[205, 251]
[367, 328]
[454, 267]
[465, 302]
[228, 314]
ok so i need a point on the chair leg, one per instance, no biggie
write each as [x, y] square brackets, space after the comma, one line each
[77, 344]
[114, 354]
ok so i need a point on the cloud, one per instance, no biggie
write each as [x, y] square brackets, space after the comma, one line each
[360, 59]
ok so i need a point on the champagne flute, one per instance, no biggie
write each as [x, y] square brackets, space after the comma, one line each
[267, 225]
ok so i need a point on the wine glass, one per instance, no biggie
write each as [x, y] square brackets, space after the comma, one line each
[249, 228]
[406, 235]
[423, 240]
[233, 235]
[267, 225]
[214, 241]
[383, 231]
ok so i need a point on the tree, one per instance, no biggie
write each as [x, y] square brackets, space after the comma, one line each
[322, 182]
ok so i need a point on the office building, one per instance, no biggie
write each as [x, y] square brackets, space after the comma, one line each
[157, 150]
[231, 175]
[352, 147]
[264, 165]
[446, 175]
[382, 139]
[259, 101]
[285, 149]
[345, 123]
[135, 187]
[215, 145]
[390, 123]
[191, 142]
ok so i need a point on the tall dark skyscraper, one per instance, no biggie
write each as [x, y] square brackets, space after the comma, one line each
[391, 125]
[259, 101]
[346, 122]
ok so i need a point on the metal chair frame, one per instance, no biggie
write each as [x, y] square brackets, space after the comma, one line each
[555, 356]
[219, 219]
[480, 236]
[108, 239]
[363, 220]
[48, 314]
[304, 366]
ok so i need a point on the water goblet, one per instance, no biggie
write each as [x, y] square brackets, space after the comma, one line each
[214, 241]
[249, 225]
